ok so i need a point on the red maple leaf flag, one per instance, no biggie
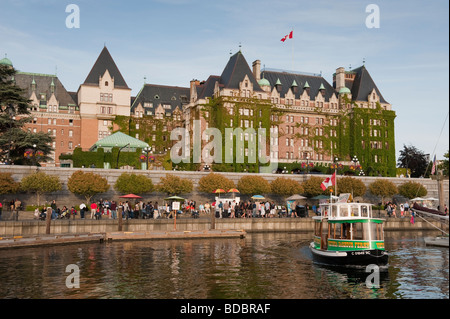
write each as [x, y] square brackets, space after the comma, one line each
[329, 181]
[288, 36]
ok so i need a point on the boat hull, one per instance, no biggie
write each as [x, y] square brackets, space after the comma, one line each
[350, 258]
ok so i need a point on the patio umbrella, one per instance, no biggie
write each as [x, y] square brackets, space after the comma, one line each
[218, 191]
[258, 197]
[174, 198]
[296, 197]
[233, 190]
[418, 199]
[131, 196]
[321, 197]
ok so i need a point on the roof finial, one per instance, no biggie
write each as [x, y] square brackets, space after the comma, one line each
[145, 79]
[364, 61]
[240, 46]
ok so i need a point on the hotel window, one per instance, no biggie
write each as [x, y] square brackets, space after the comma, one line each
[70, 145]
[54, 121]
[137, 126]
[54, 132]
[49, 121]
[110, 110]
[71, 122]
[70, 133]
[62, 131]
[34, 130]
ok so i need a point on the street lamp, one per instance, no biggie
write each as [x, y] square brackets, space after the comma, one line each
[146, 151]
[307, 164]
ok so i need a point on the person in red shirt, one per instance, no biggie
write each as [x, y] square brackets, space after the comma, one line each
[93, 210]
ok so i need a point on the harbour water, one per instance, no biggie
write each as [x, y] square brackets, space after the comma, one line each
[260, 266]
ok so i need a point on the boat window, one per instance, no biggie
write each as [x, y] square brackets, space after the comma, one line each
[377, 231]
[358, 231]
[340, 231]
[365, 211]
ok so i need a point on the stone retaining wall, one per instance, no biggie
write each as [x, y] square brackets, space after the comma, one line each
[35, 228]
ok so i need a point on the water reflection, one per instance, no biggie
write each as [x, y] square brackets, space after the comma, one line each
[259, 266]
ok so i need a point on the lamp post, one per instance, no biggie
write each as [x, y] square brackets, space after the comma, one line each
[146, 151]
[307, 164]
[118, 153]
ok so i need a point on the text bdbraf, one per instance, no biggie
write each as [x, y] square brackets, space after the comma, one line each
[215, 144]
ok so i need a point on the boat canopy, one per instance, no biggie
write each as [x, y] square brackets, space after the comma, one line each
[336, 211]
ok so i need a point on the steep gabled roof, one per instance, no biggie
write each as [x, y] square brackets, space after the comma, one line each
[363, 85]
[235, 71]
[206, 89]
[105, 62]
[43, 83]
[162, 94]
[287, 79]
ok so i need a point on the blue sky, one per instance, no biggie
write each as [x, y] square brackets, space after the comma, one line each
[171, 42]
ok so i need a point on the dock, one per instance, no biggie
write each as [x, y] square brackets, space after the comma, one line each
[186, 234]
[31, 241]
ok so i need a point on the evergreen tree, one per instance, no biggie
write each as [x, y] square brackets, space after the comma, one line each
[413, 159]
[18, 146]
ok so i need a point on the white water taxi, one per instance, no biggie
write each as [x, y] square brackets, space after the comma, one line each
[346, 234]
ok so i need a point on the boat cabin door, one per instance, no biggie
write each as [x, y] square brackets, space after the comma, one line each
[324, 234]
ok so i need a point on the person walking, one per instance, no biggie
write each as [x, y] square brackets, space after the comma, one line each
[113, 210]
[93, 210]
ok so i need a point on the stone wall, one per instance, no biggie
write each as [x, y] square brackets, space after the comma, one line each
[35, 228]
[65, 197]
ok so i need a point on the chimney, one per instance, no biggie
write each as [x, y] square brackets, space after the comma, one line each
[193, 90]
[340, 78]
[257, 69]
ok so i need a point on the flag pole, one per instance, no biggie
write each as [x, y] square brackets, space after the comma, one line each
[292, 66]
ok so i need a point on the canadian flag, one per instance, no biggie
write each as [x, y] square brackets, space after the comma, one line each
[329, 181]
[289, 36]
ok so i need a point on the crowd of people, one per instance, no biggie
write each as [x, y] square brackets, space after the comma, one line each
[109, 209]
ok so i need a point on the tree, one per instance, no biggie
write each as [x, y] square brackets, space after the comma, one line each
[135, 184]
[7, 184]
[383, 188]
[311, 187]
[87, 184]
[213, 181]
[253, 184]
[415, 160]
[285, 186]
[412, 189]
[444, 165]
[12, 99]
[351, 185]
[174, 185]
[17, 145]
[40, 183]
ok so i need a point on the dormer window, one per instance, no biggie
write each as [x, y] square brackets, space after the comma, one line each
[106, 83]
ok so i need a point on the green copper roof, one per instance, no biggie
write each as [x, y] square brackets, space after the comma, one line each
[344, 90]
[294, 83]
[306, 85]
[263, 82]
[6, 61]
[278, 82]
[119, 139]
[321, 87]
